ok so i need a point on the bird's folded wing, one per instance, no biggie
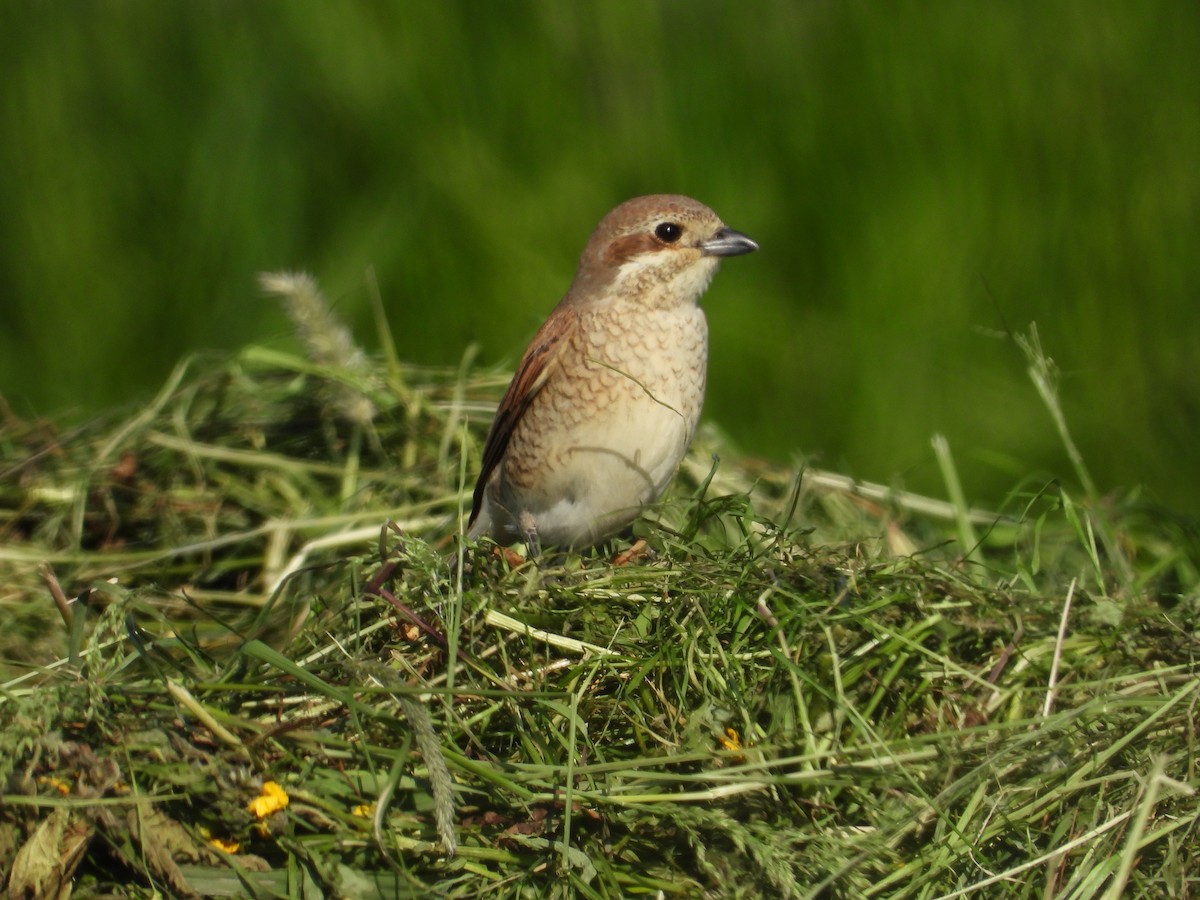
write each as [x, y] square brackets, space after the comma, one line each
[536, 367]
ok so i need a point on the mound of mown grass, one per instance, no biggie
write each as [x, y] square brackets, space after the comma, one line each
[242, 655]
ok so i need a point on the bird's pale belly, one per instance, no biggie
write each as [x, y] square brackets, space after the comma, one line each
[607, 473]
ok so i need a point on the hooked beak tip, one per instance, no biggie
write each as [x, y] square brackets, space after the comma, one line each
[728, 242]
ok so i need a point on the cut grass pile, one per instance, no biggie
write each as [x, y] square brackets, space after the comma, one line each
[241, 657]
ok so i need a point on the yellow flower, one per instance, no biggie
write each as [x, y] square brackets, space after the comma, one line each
[226, 846]
[363, 810]
[731, 740]
[56, 783]
[272, 799]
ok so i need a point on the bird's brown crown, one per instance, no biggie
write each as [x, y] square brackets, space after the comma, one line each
[648, 224]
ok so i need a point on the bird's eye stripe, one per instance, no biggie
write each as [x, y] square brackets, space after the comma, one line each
[668, 232]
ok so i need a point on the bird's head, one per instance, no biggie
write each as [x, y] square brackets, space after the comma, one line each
[663, 248]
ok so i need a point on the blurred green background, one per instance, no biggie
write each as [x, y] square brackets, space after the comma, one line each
[924, 179]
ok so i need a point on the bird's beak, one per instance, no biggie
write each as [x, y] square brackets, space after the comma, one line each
[727, 242]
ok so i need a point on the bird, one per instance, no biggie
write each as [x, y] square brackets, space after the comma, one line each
[606, 398]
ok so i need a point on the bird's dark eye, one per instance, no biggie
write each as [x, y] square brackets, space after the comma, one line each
[669, 232]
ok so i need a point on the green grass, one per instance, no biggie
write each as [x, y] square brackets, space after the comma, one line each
[803, 688]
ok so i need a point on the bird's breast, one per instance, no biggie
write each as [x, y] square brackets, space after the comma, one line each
[621, 406]
[645, 366]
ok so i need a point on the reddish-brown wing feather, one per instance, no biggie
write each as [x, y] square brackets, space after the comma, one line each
[536, 367]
